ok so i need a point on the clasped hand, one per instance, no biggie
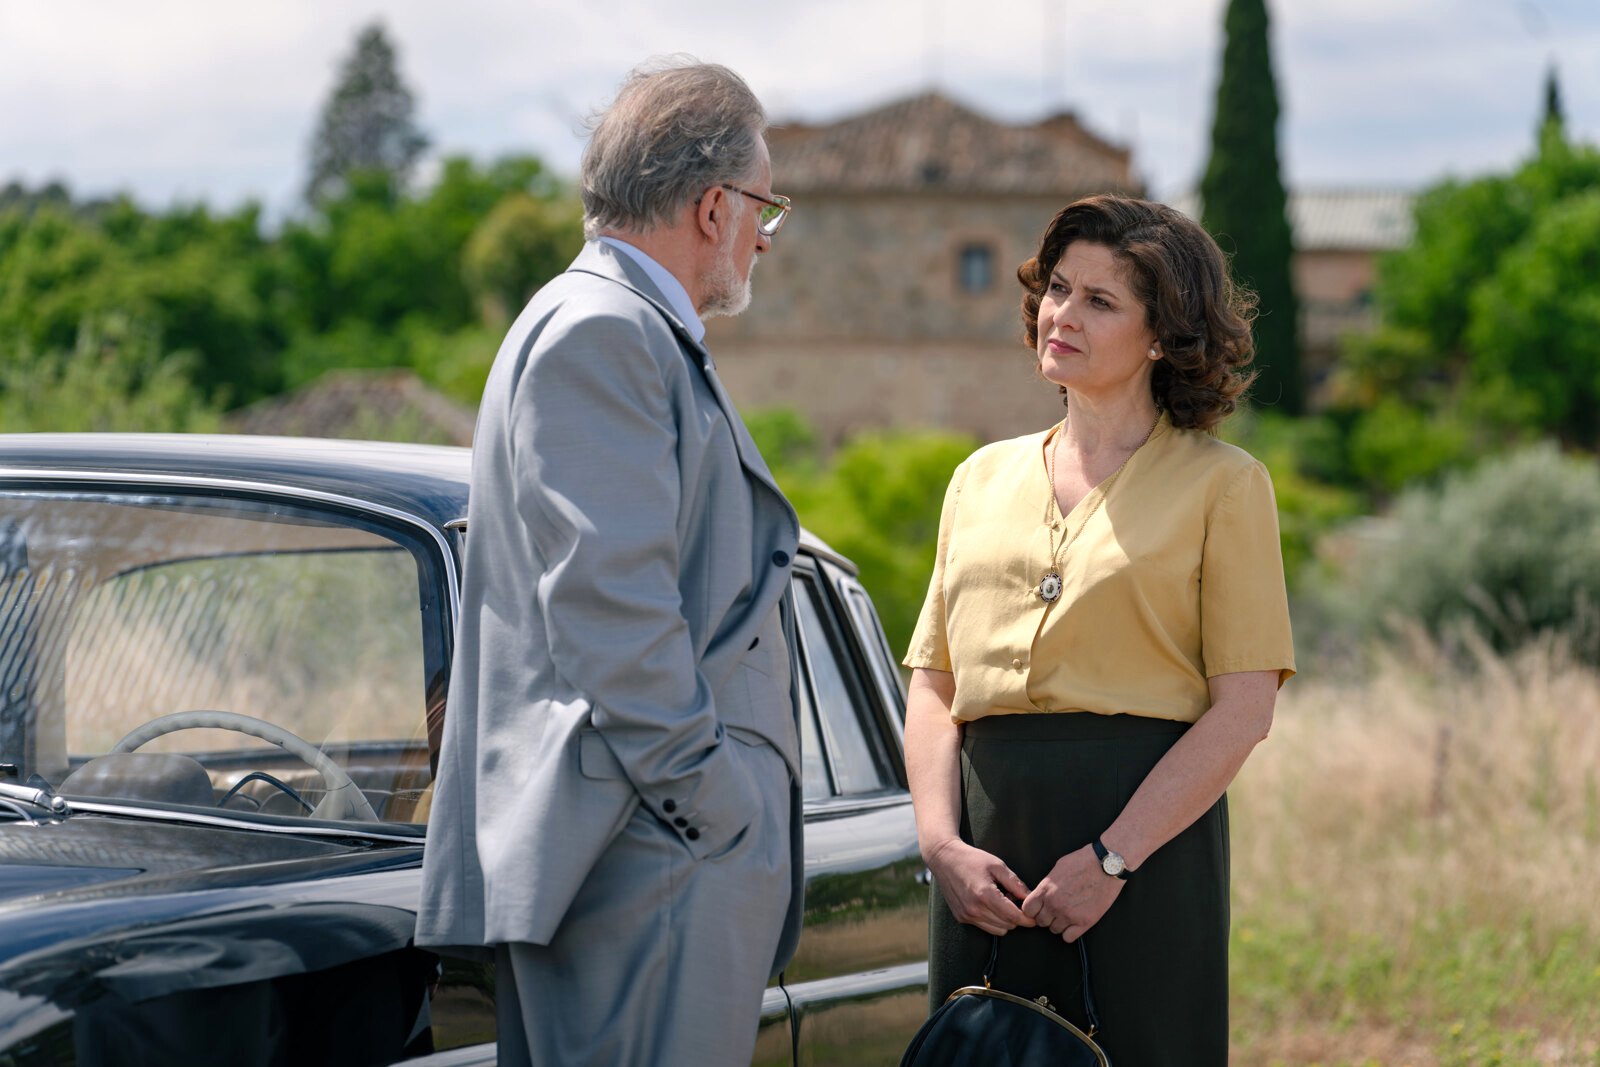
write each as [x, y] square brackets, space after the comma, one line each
[982, 891]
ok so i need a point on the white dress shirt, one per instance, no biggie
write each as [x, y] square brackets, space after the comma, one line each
[677, 296]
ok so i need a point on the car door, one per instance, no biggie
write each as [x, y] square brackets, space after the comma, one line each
[857, 986]
[856, 990]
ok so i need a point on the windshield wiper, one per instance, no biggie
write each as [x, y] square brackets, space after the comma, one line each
[20, 797]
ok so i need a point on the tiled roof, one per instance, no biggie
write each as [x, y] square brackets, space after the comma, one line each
[386, 405]
[931, 143]
[1351, 218]
[1340, 219]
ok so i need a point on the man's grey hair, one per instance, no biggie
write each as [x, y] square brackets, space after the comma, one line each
[676, 128]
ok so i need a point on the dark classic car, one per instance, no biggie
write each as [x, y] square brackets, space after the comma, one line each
[223, 665]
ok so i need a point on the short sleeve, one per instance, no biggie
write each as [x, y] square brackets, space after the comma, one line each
[1244, 606]
[930, 646]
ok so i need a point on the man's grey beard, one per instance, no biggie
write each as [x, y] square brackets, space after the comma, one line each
[727, 294]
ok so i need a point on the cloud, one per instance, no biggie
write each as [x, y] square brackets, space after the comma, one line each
[196, 99]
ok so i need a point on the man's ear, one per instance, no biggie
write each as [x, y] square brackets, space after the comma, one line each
[711, 213]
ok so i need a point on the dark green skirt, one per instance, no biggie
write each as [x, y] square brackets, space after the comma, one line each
[1036, 787]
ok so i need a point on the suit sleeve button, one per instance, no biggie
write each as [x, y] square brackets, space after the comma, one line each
[780, 558]
[680, 822]
[669, 806]
[1016, 664]
[692, 834]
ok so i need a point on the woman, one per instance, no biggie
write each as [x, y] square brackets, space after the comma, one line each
[1101, 647]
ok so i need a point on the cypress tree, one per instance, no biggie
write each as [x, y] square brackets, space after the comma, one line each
[366, 121]
[1244, 204]
[1552, 127]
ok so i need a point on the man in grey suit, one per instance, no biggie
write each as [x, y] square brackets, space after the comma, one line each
[616, 810]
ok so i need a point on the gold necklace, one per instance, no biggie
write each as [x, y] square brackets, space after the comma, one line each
[1050, 585]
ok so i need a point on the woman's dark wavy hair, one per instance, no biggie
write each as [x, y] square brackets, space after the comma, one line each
[1199, 316]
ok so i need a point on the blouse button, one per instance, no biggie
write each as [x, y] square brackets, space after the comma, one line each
[1016, 664]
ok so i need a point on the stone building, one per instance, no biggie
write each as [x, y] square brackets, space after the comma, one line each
[890, 296]
[1339, 234]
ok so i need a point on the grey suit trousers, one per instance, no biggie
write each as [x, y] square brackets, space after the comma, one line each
[623, 982]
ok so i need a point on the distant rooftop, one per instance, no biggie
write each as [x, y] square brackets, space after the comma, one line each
[387, 405]
[1340, 219]
[932, 143]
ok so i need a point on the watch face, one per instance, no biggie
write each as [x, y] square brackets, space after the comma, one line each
[1112, 864]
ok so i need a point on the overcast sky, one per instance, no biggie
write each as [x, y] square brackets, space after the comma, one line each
[216, 100]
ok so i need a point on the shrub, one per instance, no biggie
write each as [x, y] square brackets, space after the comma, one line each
[1510, 550]
[877, 500]
[115, 378]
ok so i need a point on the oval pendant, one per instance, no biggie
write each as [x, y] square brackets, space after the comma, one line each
[1049, 586]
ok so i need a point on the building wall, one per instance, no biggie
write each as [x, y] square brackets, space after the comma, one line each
[1334, 275]
[1335, 290]
[847, 269]
[860, 320]
[986, 390]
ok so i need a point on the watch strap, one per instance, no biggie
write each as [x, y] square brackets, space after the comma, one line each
[1101, 852]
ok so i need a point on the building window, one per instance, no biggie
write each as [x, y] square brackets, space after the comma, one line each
[976, 268]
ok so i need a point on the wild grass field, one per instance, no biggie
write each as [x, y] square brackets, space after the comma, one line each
[1417, 867]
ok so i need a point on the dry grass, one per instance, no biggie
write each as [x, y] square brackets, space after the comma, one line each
[1417, 867]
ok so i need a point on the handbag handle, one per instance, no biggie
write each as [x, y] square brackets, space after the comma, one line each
[1083, 956]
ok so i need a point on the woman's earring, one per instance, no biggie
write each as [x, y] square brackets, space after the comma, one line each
[1153, 353]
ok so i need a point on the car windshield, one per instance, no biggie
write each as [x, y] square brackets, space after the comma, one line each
[195, 651]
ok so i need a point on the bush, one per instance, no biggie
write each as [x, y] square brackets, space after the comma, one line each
[115, 378]
[877, 500]
[1510, 551]
[1393, 445]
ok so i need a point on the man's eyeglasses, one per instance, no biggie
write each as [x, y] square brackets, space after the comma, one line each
[774, 209]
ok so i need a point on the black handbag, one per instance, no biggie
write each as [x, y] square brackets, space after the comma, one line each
[980, 1026]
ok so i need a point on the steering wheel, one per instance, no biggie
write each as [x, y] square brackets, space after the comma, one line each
[343, 799]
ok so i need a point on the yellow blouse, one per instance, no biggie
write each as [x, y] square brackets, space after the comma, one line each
[1176, 576]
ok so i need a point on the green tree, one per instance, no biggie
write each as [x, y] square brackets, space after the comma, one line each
[367, 122]
[1534, 324]
[377, 255]
[114, 377]
[1244, 204]
[1552, 126]
[207, 285]
[523, 243]
[1487, 317]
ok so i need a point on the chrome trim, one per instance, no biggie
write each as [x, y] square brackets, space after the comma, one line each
[864, 985]
[838, 805]
[458, 525]
[200, 481]
[196, 818]
[821, 550]
[45, 801]
[774, 1005]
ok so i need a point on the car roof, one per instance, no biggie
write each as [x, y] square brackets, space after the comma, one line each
[428, 481]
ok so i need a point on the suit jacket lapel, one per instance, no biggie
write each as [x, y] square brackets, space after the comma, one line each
[602, 262]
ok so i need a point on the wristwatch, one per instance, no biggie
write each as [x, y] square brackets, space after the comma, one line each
[1111, 862]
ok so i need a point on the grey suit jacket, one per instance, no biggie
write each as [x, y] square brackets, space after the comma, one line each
[619, 636]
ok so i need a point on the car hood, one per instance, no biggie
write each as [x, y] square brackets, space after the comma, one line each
[96, 904]
[87, 863]
[88, 849]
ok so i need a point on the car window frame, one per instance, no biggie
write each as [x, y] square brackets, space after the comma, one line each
[437, 561]
[872, 714]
